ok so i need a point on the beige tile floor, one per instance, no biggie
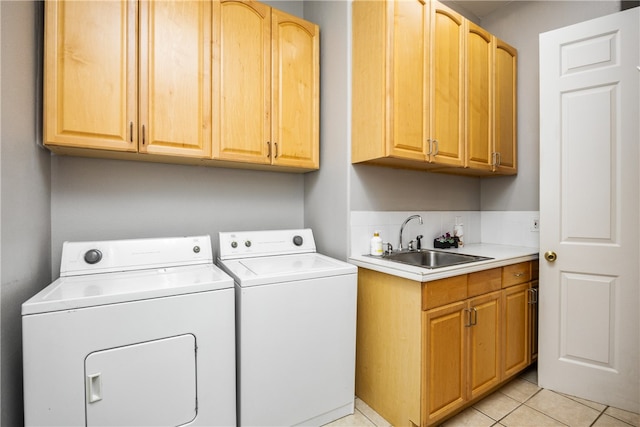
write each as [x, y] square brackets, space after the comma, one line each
[519, 403]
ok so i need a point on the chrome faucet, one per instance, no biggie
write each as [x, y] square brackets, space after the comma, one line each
[405, 223]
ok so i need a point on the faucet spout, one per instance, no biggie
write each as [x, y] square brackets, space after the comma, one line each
[405, 223]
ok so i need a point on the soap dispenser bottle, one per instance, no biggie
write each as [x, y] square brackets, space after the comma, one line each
[376, 244]
[458, 231]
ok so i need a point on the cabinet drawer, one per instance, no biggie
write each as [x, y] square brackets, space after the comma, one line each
[444, 291]
[485, 281]
[516, 273]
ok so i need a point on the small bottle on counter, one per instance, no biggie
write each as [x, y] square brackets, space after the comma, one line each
[376, 244]
[458, 231]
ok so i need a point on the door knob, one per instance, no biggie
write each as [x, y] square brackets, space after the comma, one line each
[550, 256]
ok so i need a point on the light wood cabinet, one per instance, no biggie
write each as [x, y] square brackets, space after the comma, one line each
[447, 49]
[425, 351]
[232, 83]
[266, 86]
[490, 127]
[505, 111]
[461, 348]
[90, 75]
[407, 85]
[93, 83]
[175, 78]
[390, 82]
[426, 86]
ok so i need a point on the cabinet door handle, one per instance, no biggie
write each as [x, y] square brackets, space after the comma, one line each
[468, 311]
[435, 152]
[533, 296]
[430, 149]
[269, 149]
[275, 146]
[131, 132]
[475, 316]
[94, 387]
[143, 136]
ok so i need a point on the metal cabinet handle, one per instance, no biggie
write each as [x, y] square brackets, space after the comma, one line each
[130, 131]
[430, 149]
[533, 296]
[518, 274]
[144, 140]
[472, 316]
[275, 145]
[435, 152]
[269, 149]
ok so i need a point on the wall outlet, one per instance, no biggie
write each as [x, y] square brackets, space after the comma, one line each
[535, 224]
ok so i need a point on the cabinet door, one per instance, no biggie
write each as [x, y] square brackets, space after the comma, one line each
[409, 94]
[447, 86]
[505, 108]
[90, 91]
[242, 81]
[445, 359]
[515, 332]
[479, 91]
[175, 78]
[295, 91]
[484, 343]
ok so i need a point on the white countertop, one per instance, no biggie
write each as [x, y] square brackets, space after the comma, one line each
[502, 255]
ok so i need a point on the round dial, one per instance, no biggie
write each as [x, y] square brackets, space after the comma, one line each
[92, 256]
[297, 240]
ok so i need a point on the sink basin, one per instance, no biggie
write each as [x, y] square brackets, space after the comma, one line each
[428, 258]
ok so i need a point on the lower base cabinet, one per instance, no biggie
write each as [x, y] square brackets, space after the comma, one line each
[425, 351]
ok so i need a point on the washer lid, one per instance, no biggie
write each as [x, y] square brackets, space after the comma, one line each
[67, 293]
[284, 268]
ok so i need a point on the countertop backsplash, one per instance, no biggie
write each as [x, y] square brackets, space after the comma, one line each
[499, 227]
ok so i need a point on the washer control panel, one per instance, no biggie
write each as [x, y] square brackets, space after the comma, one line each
[241, 244]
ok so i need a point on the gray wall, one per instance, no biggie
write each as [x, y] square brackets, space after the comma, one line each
[25, 194]
[326, 191]
[519, 24]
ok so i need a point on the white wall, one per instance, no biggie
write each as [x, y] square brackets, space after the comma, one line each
[24, 194]
[519, 23]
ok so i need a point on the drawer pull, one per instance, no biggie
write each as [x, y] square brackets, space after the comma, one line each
[518, 274]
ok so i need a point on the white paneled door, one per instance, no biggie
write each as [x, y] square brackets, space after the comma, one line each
[589, 210]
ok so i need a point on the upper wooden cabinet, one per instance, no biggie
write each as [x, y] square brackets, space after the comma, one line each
[92, 83]
[90, 75]
[407, 84]
[425, 88]
[234, 83]
[266, 69]
[175, 78]
[447, 86]
[505, 113]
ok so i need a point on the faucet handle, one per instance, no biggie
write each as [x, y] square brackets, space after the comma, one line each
[389, 248]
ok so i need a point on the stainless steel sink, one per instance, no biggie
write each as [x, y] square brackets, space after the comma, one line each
[428, 258]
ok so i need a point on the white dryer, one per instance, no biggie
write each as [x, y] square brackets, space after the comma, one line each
[134, 332]
[296, 328]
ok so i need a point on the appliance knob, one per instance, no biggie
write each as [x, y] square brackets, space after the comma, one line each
[92, 256]
[247, 243]
[196, 249]
[234, 244]
[297, 240]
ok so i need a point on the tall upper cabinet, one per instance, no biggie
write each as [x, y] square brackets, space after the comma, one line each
[430, 90]
[91, 74]
[127, 76]
[266, 69]
[229, 82]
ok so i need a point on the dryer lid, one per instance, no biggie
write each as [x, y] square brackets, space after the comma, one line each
[68, 293]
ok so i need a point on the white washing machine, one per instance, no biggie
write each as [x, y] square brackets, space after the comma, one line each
[295, 328]
[134, 332]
